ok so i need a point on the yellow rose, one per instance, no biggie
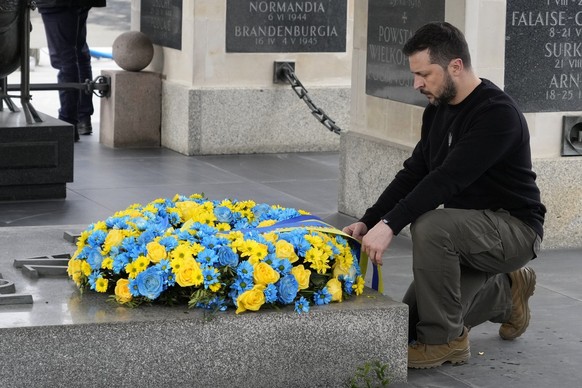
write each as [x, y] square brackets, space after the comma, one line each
[251, 299]
[285, 250]
[334, 287]
[75, 271]
[122, 293]
[302, 275]
[114, 238]
[265, 274]
[156, 251]
[189, 273]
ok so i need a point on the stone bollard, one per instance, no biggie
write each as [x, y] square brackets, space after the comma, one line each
[131, 115]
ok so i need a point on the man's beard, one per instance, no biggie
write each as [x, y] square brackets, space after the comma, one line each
[448, 92]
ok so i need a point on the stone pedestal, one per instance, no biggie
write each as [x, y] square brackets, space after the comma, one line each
[63, 331]
[131, 115]
[36, 160]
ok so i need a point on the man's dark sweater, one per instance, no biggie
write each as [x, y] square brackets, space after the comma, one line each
[473, 155]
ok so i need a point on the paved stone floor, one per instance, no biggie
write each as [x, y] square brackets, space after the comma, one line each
[107, 180]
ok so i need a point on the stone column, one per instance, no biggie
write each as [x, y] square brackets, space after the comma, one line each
[516, 44]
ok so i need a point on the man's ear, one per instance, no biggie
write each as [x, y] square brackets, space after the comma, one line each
[456, 66]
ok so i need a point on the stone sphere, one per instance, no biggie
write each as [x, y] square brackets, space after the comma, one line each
[132, 51]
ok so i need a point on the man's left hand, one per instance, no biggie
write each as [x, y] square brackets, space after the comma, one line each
[376, 241]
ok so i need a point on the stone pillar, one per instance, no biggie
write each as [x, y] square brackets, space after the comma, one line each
[217, 60]
[384, 128]
[130, 116]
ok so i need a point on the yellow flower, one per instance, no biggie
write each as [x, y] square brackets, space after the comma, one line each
[182, 251]
[122, 292]
[223, 227]
[215, 287]
[141, 264]
[189, 273]
[75, 272]
[313, 254]
[358, 286]
[314, 240]
[156, 251]
[302, 275]
[131, 270]
[264, 223]
[82, 240]
[187, 209]
[114, 238]
[271, 237]
[100, 225]
[251, 299]
[107, 263]
[334, 287]
[265, 274]
[285, 250]
[101, 284]
[86, 268]
[320, 264]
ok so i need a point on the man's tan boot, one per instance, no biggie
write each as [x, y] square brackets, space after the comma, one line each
[523, 283]
[421, 356]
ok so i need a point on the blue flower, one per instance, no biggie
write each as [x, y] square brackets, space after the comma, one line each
[270, 293]
[283, 266]
[169, 242]
[245, 270]
[322, 297]
[287, 288]
[120, 262]
[302, 305]
[210, 275]
[207, 257]
[223, 214]
[96, 238]
[261, 210]
[94, 258]
[150, 283]
[93, 278]
[242, 285]
[227, 257]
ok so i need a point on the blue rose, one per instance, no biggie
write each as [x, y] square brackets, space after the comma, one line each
[150, 283]
[223, 214]
[226, 256]
[288, 288]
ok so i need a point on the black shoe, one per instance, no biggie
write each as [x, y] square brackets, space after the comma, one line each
[77, 138]
[84, 127]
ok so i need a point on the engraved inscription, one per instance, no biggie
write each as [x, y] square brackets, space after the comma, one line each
[161, 21]
[286, 26]
[543, 54]
[390, 24]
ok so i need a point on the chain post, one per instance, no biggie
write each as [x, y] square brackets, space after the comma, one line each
[284, 70]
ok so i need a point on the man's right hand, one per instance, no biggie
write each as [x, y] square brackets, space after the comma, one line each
[357, 230]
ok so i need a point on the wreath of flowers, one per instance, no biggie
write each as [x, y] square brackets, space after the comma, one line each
[217, 254]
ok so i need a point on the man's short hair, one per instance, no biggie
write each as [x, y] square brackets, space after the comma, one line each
[444, 42]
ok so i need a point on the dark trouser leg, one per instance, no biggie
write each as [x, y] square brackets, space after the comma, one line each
[85, 70]
[61, 32]
[460, 258]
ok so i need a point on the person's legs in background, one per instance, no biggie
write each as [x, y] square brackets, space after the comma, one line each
[85, 73]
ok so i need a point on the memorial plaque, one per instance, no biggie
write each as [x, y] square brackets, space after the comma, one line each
[285, 26]
[543, 54]
[161, 21]
[390, 24]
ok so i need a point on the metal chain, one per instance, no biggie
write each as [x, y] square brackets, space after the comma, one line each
[302, 93]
